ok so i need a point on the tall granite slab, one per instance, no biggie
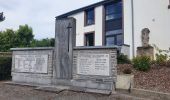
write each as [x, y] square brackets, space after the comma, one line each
[65, 36]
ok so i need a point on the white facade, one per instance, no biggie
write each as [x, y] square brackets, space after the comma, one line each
[97, 28]
[152, 14]
[137, 14]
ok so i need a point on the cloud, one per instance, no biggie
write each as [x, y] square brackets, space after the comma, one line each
[39, 14]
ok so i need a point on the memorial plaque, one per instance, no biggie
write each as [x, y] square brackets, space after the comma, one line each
[31, 63]
[93, 64]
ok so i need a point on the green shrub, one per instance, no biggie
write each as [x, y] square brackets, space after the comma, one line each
[5, 68]
[162, 56]
[142, 63]
[123, 59]
[161, 59]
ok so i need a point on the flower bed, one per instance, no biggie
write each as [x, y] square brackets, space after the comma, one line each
[156, 79]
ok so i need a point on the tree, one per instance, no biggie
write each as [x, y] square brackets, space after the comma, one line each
[24, 36]
[43, 43]
[7, 40]
[2, 18]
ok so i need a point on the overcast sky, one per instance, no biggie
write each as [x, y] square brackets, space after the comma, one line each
[38, 14]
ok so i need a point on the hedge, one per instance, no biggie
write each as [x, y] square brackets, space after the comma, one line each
[5, 68]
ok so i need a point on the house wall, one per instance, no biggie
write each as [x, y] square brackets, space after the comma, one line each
[97, 27]
[152, 14]
[155, 15]
[127, 17]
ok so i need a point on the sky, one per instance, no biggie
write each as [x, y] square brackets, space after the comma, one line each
[38, 14]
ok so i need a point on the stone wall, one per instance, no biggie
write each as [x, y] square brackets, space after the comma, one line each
[5, 54]
[25, 61]
[94, 68]
[146, 51]
[101, 78]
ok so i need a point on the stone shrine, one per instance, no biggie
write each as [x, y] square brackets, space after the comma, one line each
[146, 49]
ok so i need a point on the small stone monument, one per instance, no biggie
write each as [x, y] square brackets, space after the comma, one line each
[145, 37]
[146, 49]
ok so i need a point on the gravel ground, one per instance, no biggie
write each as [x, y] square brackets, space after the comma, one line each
[12, 92]
[18, 92]
[156, 79]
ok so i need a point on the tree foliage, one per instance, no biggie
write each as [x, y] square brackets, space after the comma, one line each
[8, 40]
[43, 43]
[23, 37]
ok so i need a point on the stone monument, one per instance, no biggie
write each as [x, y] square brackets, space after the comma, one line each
[66, 67]
[87, 69]
[145, 37]
[145, 49]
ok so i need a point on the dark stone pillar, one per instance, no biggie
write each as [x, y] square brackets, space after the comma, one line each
[65, 36]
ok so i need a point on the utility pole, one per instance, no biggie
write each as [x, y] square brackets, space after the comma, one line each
[2, 18]
[169, 5]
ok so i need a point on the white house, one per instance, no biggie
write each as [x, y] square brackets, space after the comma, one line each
[119, 23]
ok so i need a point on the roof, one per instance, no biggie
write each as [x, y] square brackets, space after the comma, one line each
[84, 8]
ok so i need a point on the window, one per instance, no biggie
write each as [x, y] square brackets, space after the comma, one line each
[89, 39]
[113, 11]
[114, 38]
[113, 24]
[89, 17]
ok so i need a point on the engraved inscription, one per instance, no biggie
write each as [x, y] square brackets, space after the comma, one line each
[31, 63]
[93, 64]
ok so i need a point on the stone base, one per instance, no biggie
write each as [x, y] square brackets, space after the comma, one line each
[125, 81]
[58, 89]
[31, 79]
[85, 86]
[146, 51]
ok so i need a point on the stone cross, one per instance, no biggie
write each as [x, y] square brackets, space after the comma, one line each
[69, 27]
[64, 43]
[145, 37]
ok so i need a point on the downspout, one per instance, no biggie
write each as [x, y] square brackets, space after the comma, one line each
[133, 36]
